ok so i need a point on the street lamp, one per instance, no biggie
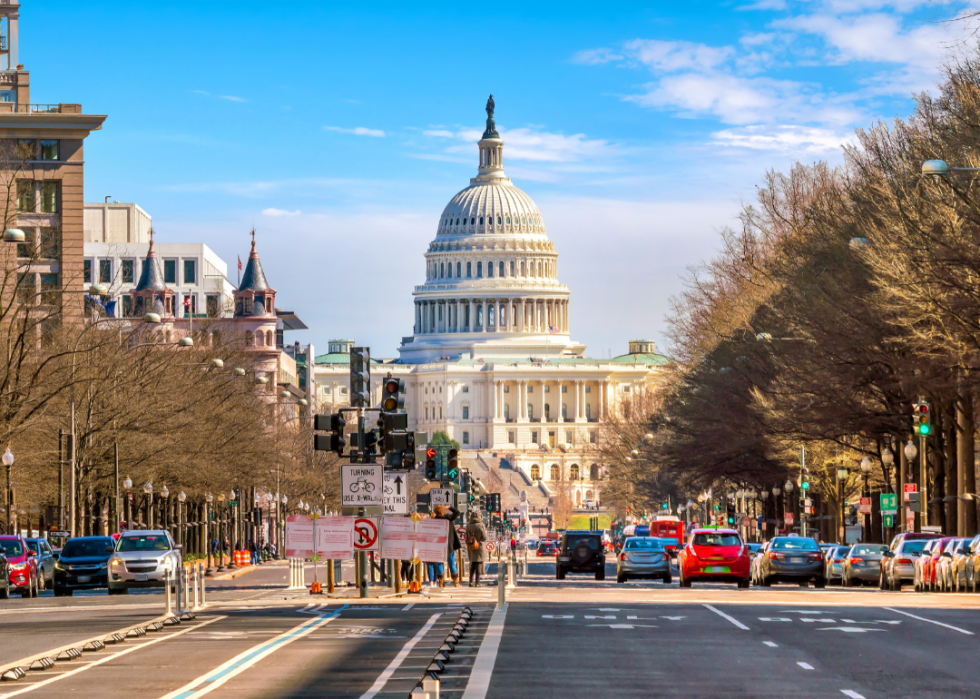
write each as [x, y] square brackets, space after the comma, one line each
[182, 518]
[148, 489]
[842, 474]
[208, 499]
[8, 461]
[866, 472]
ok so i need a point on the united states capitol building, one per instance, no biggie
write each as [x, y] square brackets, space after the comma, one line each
[491, 361]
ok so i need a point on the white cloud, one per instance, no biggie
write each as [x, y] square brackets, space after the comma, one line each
[532, 144]
[280, 212]
[596, 56]
[232, 98]
[671, 56]
[784, 138]
[441, 133]
[765, 5]
[357, 131]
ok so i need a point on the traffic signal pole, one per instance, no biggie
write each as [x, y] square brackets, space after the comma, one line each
[362, 583]
[923, 479]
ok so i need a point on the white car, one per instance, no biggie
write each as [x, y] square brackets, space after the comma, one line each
[145, 558]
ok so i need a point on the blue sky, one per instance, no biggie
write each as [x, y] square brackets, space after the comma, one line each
[340, 130]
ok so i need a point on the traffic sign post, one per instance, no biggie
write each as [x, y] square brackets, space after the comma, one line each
[395, 494]
[362, 485]
[366, 534]
[864, 507]
[440, 496]
[888, 504]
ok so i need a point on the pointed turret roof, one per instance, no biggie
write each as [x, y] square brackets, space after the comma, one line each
[151, 279]
[254, 278]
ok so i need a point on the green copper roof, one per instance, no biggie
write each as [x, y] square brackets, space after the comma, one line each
[650, 359]
[338, 358]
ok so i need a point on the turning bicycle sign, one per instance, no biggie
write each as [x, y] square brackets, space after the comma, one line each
[361, 485]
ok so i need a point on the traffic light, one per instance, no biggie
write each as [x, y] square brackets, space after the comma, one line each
[804, 480]
[394, 427]
[392, 395]
[335, 440]
[370, 446]
[915, 501]
[360, 377]
[921, 418]
[731, 513]
[493, 502]
[430, 464]
[452, 466]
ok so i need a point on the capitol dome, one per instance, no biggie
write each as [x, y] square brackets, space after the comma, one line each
[491, 287]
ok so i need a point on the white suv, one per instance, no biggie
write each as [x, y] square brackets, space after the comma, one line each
[142, 559]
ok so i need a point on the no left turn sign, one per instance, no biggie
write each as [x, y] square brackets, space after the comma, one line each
[491, 546]
[366, 534]
[461, 532]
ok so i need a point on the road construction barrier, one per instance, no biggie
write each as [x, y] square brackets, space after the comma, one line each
[296, 576]
[242, 558]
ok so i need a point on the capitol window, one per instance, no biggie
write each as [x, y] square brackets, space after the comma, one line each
[501, 268]
[442, 269]
[568, 437]
[498, 220]
[466, 438]
[481, 220]
[506, 389]
[479, 270]
[508, 220]
[512, 439]
[457, 222]
[588, 389]
[466, 389]
[459, 268]
[489, 269]
[469, 271]
[512, 268]
[473, 221]
[466, 412]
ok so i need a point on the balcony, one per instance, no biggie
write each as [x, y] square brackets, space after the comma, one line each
[3, 43]
[16, 107]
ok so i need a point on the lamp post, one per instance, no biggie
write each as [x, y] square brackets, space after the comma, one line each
[866, 493]
[128, 505]
[165, 494]
[776, 491]
[8, 461]
[788, 489]
[221, 529]
[841, 479]
[148, 489]
[182, 518]
[910, 453]
[208, 499]
[764, 494]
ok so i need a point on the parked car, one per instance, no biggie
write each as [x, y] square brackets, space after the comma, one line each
[142, 559]
[4, 576]
[922, 564]
[45, 560]
[951, 564]
[793, 559]
[714, 555]
[833, 563]
[973, 565]
[898, 563]
[83, 564]
[755, 565]
[643, 557]
[581, 552]
[862, 564]
[23, 565]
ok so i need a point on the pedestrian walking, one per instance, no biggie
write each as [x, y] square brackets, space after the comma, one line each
[253, 551]
[453, 544]
[476, 536]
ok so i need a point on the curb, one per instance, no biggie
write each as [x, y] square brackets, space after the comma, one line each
[235, 573]
[71, 651]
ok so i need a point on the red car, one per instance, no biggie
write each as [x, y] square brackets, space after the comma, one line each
[23, 566]
[929, 567]
[714, 555]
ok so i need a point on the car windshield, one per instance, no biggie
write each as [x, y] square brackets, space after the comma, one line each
[87, 547]
[913, 546]
[651, 543]
[868, 550]
[572, 542]
[801, 543]
[32, 544]
[12, 547]
[717, 540]
[148, 542]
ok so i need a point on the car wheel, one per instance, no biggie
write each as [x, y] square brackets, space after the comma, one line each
[805, 583]
[5, 594]
[621, 578]
[820, 584]
[743, 584]
[667, 579]
[766, 581]
[560, 573]
[882, 582]
[600, 574]
[124, 590]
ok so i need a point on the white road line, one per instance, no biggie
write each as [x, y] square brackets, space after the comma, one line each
[722, 614]
[106, 659]
[851, 693]
[408, 606]
[805, 666]
[486, 657]
[937, 623]
[399, 659]
[771, 644]
[215, 678]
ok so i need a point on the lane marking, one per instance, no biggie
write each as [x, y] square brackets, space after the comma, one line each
[851, 693]
[771, 644]
[722, 614]
[399, 659]
[486, 658]
[75, 671]
[241, 662]
[937, 623]
[408, 606]
[805, 666]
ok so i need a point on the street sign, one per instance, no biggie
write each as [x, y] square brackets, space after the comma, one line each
[441, 496]
[491, 546]
[888, 504]
[395, 494]
[888, 520]
[366, 534]
[909, 519]
[910, 488]
[461, 533]
[59, 533]
[864, 507]
[788, 518]
[361, 485]
[807, 502]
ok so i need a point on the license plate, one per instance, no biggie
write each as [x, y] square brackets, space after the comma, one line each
[84, 578]
[141, 577]
[717, 569]
[796, 560]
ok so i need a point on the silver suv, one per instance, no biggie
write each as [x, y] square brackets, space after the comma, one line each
[142, 559]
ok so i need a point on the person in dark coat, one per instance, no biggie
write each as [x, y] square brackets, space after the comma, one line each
[476, 537]
[453, 544]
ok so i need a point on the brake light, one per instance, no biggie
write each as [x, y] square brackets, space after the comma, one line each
[904, 562]
[622, 556]
[773, 555]
[856, 560]
[815, 557]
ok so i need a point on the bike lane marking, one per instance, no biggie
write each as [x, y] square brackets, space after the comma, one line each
[722, 614]
[399, 659]
[931, 621]
[486, 657]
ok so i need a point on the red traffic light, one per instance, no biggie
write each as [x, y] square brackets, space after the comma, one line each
[391, 385]
[430, 453]
[453, 453]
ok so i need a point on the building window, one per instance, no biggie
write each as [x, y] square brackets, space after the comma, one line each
[466, 412]
[573, 472]
[466, 389]
[249, 338]
[25, 289]
[534, 436]
[594, 472]
[190, 271]
[479, 270]
[530, 411]
[490, 269]
[547, 412]
[440, 412]
[555, 473]
[591, 436]
[440, 312]
[25, 196]
[458, 269]
[626, 389]
[326, 389]
[127, 306]
[192, 306]
[248, 307]
[105, 271]
[426, 412]
[564, 389]
[506, 411]
[564, 411]
[170, 271]
[479, 316]
[512, 268]
[511, 437]
[87, 272]
[547, 389]
[49, 197]
[343, 390]
[568, 436]
[469, 270]
[588, 411]
[50, 150]
[506, 389]
[466, 438]
[490, 316]
[49, 247]
[128, 271]
[588, 389]
[26, 249]
[530, 389]
[49, 289]
[535, 472]
[212, 305]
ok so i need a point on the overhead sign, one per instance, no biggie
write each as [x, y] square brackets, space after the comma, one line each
[441, 496]
[361, 485]
[864, 507]
[888, 504]
[366, 534]
[395, 494]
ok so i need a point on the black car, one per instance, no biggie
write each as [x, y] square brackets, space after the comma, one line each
[45, 560]
[581, 552]
[82, 564]
[793, 559]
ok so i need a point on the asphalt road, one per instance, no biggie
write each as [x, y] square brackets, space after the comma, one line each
[574, 638]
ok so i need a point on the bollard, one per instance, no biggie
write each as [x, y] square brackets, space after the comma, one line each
[187, 586]
[170, 605]
[511, 578]
[203, 601]
[197, 598]
[179, 580]
[501, 586]
[430, 685]
[330, 577]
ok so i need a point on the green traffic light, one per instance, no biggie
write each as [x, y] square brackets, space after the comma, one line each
[924, 429]
[805, 485]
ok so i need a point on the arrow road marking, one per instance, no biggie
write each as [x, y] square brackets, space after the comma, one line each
[848, 629]
[851, 693]
[626, 626]
[805, 666]
[774, 618]
[601, 616]
[642, 618]
[674, 618]
[811, 620]
[567, 616]
[771, 644]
